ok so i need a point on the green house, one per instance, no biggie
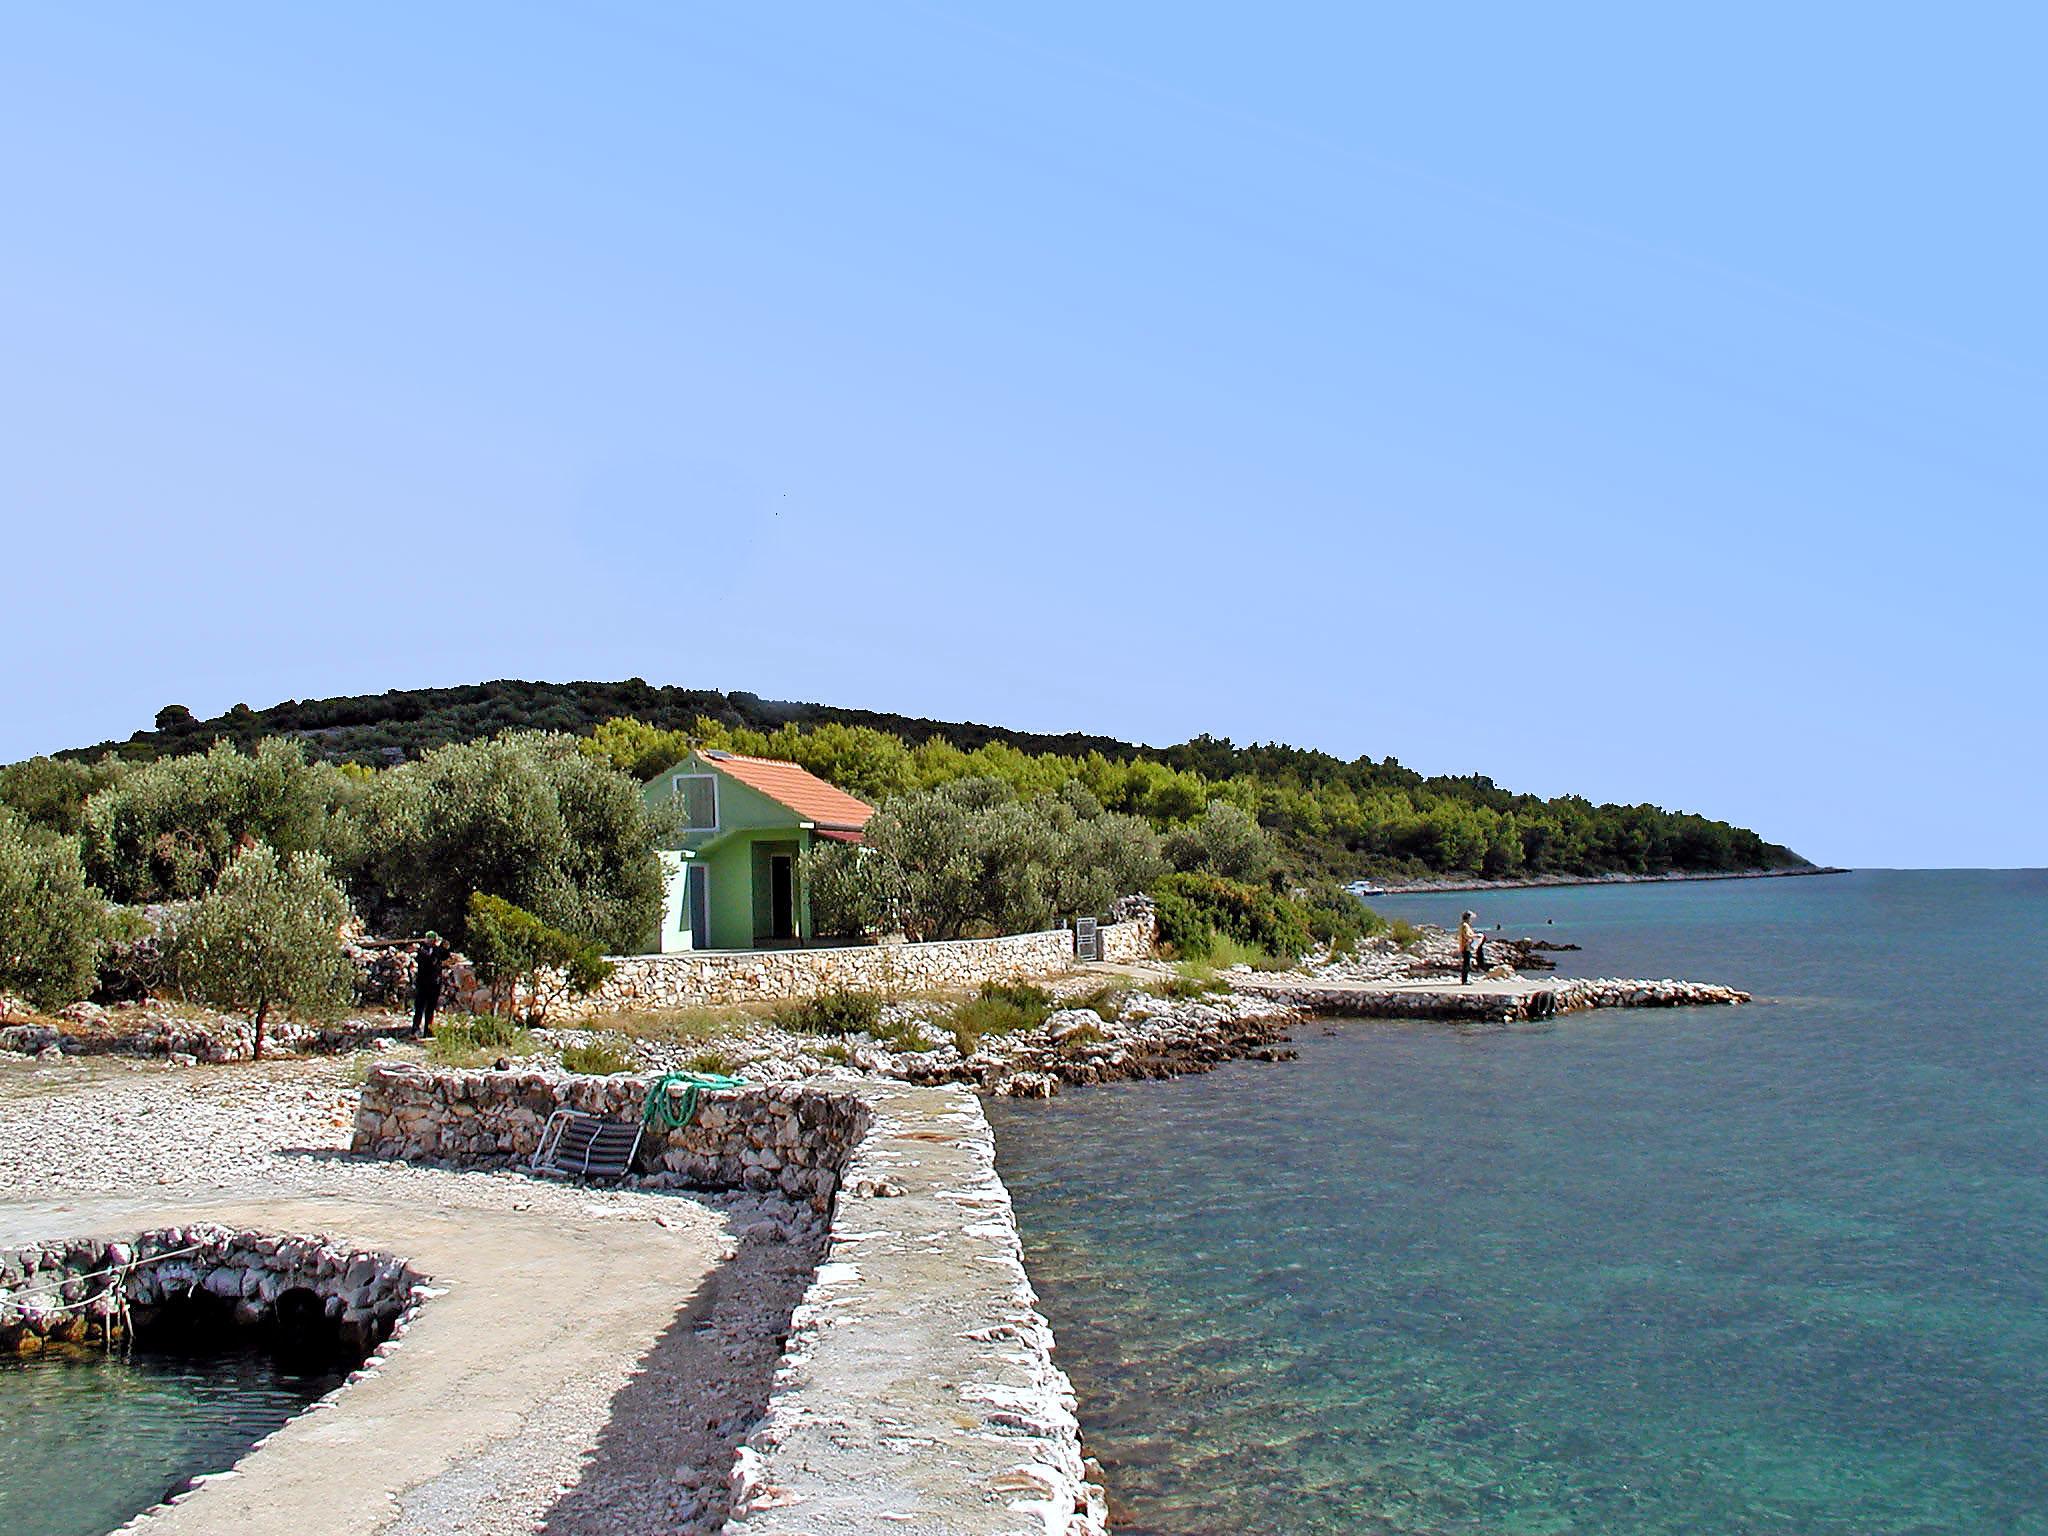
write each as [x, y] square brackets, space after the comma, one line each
[735, 875]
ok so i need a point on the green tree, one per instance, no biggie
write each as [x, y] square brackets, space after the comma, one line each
[51, 791]
[52, 926]
[267, 936]
[855, 892]
[1226, 842]
[512, 949]
[166, 830]
[526, 817]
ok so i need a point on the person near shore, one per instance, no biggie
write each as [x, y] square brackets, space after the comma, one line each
[1468, 941]
[427, 961]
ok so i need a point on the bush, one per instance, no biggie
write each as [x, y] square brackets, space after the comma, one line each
[1026, 995]
[50, 792]
[52, 927]
[1403, 932]
[597, 1059]
[512, 949]
[1195, 909]
[832, 1013]
[525, 817]
[1106, 1002]
[1336, 917]
[267, 936]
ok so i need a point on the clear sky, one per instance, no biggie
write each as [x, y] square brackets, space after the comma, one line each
[1624, 400]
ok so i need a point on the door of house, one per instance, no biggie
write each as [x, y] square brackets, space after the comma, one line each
[697, 906]
[782, 894]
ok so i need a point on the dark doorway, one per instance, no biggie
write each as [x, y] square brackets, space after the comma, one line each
[782, 894]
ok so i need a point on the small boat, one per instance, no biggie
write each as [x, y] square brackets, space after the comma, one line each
[1364, 888]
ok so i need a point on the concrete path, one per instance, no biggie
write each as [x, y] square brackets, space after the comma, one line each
[536, 1312]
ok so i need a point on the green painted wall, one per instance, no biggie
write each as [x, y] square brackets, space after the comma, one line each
[751, 828]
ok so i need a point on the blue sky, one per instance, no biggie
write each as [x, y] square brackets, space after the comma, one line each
[1644, 405]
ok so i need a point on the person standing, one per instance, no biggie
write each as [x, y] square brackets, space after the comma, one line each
[1467, 938]
[427, 961]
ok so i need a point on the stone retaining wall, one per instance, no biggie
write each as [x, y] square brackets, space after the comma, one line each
[753, 976]
[788, 1138]
[83, 1291]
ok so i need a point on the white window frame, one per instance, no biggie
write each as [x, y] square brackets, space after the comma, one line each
[675, 789]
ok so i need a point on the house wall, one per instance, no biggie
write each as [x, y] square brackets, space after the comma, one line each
[746, 819]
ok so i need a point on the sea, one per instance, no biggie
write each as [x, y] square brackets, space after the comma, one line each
[1780, 1268]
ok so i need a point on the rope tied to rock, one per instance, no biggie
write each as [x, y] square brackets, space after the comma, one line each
[671, 1111]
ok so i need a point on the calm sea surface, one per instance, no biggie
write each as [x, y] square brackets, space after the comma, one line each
[1774, 1269]
[89, 1440]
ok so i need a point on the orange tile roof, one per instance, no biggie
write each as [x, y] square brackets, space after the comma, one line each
[798, 788]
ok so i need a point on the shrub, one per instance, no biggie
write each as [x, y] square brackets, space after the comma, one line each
[1195, 909]
[52, 927]
[724, 1063]
[512, 949]
[597, 1059]
[267, 936]
[1403, 932]
[50, 792]
[1335, 916]
[831, 1013]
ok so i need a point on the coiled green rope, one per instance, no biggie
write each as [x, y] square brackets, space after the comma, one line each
[666, 1112]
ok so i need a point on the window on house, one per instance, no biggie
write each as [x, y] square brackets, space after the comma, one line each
[699, 794]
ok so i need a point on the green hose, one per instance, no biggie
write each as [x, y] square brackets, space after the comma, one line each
[663, 1114]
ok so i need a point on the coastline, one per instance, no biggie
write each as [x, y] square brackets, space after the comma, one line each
[1546, 882]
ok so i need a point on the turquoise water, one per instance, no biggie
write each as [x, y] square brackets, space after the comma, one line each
[89, 1440]
[1776, 1269]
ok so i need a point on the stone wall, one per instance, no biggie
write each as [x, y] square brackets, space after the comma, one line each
[918, 1391]
[788, 1138]
[752, 976]
[85, 1290]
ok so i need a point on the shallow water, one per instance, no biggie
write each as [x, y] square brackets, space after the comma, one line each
[88, 1440]
[1776, 1269]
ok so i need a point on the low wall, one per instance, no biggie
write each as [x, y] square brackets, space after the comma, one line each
[85, 1290]
[752, 976]
[786, 1138]
[918, 1392]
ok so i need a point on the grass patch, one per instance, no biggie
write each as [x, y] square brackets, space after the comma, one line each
[1106, 1002]
[1226, 952]
[1003, 1008]
[472, 1040]
[598, 1059]
[724, 1063]
[674, 1026]
[1193, 979]
[831, 1013]
[1086, 1035]
[1403, 932]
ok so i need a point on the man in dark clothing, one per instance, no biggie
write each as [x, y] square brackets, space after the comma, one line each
[427, 961]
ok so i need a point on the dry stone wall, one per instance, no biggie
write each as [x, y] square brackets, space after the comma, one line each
[786, 1138]
[753, 976]
[86, 1290]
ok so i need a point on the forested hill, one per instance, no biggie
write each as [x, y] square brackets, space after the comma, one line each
[1332, 817]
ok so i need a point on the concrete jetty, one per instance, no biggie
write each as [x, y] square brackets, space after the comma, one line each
[1505, 1000]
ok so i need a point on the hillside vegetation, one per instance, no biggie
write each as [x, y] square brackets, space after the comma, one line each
[1327, 816]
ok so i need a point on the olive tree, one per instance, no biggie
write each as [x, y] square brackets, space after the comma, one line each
[525, 816]
[267, 936]
[52, 926]
[165, 831]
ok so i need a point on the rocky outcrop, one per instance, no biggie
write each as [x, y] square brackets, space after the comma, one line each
[1451, 1001]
